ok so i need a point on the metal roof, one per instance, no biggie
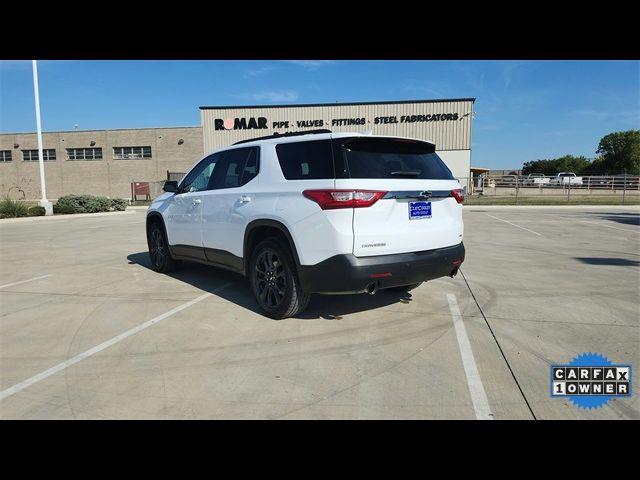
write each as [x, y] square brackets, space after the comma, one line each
[336, 104]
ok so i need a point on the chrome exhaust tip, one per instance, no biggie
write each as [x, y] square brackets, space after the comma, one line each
[371, 289]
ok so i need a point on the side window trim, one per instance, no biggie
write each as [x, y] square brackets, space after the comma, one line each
[340, 165]
[256, 151]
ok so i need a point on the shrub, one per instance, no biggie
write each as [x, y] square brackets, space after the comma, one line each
[63, 209]
[87, 204]
[119, 204]
[13, 208]
[36, 211]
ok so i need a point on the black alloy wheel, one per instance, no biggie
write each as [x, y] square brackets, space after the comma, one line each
[274, 279]
[159, 253]
[270, 280]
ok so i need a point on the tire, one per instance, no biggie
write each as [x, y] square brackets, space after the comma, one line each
[405, 288]
[159, 254]
[274, 280]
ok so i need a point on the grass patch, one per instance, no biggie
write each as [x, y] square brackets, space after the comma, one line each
[13, 208]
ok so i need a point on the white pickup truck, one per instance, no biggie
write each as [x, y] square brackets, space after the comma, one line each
[566, 179]
[535, 179]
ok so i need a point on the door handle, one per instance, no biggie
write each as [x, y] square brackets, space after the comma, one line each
[244, 199]
[197, 201]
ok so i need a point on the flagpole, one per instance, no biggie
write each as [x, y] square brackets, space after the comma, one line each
[43, 202]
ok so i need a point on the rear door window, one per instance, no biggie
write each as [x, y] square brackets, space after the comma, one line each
[370, 157]
[306, 160]
[235, 168]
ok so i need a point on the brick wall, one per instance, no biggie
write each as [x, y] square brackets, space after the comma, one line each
[109, 177]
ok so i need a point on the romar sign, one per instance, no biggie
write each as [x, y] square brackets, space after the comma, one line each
[240, 123]
[253, 123]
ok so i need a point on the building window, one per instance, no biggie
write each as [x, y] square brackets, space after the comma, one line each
[84, 153]
[49, 154]
[5, 155]
[128, 153]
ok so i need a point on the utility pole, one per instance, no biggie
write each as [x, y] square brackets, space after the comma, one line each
[48, 206]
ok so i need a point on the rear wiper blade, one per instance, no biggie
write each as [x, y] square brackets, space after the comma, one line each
[406, 173]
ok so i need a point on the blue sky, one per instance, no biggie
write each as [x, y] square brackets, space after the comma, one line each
[524, 110]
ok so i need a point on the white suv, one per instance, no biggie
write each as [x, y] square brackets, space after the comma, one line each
[314, 212]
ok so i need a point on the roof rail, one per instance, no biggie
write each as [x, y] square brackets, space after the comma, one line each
[287, 134]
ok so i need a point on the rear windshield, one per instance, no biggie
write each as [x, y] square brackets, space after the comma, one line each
[361, 157]
[392, 158]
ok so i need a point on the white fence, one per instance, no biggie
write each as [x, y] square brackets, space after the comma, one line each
[596, 182]
[558, 185]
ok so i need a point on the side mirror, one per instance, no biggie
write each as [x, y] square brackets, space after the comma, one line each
[170, 186]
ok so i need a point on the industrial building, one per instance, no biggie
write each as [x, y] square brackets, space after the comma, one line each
[106, 162]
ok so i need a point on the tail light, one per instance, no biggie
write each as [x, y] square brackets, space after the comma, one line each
[381, 275]
[458, 194]
[332, 199]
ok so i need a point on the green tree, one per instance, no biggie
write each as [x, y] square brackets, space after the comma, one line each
[547, 167]
[621, 152]
[597, 167]
[567, 163]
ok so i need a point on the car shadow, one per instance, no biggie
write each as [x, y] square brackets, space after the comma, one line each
[621, 262]
[624, 218]
[327, 307]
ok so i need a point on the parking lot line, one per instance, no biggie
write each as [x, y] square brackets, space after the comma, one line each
[474, 382]
[25, 281]
[98, 348]
[609, 226]
[517, 226]
[122, 224]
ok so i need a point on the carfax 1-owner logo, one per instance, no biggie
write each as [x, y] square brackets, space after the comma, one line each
[590, 380]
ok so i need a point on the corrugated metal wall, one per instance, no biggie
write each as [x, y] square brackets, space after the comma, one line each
[447, 134]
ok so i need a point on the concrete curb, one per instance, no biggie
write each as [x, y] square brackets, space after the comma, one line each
[551, 207]
[557, 207]
[58, 217]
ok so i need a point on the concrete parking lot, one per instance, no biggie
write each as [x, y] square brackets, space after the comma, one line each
[88, 331]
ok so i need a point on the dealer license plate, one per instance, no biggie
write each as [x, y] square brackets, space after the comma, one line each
[419, 210]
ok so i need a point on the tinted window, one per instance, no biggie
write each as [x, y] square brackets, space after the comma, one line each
[235, 168]
[198, 179]
[251, 168]
[306, 160]
[392, 158]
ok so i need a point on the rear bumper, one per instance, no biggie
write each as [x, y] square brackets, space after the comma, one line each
[350, 274]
